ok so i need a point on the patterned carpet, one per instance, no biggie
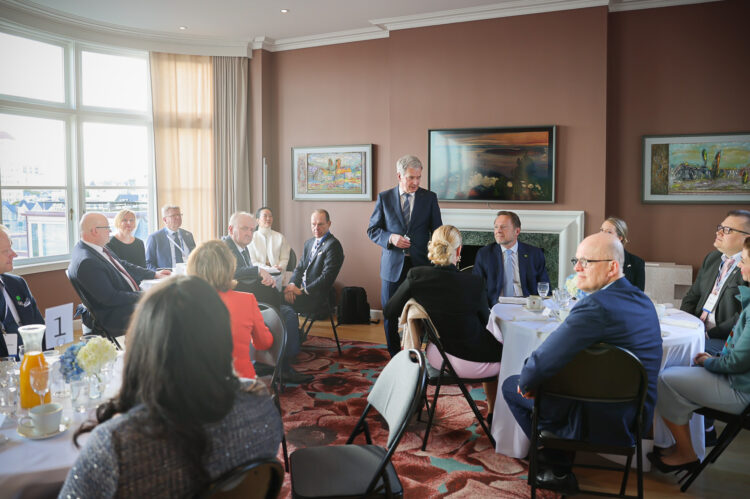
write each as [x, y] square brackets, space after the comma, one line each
[459, 461]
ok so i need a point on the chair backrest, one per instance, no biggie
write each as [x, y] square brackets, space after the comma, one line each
[398, 391]
[256, 479]
[85, 301]
[273, 322]
[292, 261]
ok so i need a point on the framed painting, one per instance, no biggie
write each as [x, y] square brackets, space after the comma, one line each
[332, 173]
[504, 165]
[696, 168]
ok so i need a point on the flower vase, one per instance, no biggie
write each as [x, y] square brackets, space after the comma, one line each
[97, 385]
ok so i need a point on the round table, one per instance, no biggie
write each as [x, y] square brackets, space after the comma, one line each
[521, 332]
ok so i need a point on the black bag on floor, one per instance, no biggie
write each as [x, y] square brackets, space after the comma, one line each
[354, 308]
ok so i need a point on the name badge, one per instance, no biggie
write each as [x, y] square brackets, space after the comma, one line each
[11, 341]
[710, 304]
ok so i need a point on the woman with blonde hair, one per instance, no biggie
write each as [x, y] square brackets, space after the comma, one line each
[123, 243]
[634, 267]
[457, 304]
[213, 262]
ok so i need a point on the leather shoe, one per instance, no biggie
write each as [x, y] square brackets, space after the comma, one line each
[711, 438]
[565, 483]
[295, 377]
[264, 369]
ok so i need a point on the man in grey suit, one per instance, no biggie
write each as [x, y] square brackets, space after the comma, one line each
[402, 223]
[712, 295]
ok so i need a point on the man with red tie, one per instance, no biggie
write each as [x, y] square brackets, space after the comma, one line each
[111, 284]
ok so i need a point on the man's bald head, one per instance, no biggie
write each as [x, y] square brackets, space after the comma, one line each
[604, 255]
[94, 228]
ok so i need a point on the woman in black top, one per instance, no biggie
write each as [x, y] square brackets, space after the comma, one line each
[457, 304]
[123, 243]
[634, 267]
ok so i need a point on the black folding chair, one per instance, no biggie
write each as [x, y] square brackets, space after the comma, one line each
[735, 423]
[254, 480]
[446, 375]
[292, 261]
[602, 373]
[276, 325]
[316, 315]
[96, 327]
[365, 470]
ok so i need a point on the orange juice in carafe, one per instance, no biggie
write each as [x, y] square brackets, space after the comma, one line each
[32, 339]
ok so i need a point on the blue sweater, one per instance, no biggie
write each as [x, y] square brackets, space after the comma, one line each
[735, 357]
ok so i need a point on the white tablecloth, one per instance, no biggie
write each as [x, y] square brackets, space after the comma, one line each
[521, 332]
[27, 461]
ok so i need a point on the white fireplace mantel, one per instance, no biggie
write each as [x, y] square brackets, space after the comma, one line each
[568, 225]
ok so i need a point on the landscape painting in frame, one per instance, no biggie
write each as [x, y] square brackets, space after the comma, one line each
[332, 173]
[493, 164]
[696, 168]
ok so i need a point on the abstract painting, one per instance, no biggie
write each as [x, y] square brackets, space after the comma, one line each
[493, 164]
[332, 173]
[696, 168]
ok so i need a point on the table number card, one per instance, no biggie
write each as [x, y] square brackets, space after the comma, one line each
[59, 321]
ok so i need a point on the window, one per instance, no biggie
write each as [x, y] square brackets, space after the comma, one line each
[68, 149]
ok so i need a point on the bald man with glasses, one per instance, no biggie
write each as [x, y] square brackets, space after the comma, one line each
[712, 295]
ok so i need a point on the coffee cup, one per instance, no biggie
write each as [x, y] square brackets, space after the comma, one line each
[44, 418]
[534, 302]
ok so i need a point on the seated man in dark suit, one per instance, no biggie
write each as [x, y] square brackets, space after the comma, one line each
[171, 245]
[615, 312]
[510, 267]
[252, 279]
[316, 271]
[712, 295]
[111, 284]
[17, 305]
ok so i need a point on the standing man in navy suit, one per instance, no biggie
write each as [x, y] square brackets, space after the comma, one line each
[510, 267]
[111, 284]
[402, 223]
[17, 305]
[170, 245]
[614, 312]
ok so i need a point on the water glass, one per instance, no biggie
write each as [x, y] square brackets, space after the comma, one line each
[40, 381]
[543, 289]
[79, 394]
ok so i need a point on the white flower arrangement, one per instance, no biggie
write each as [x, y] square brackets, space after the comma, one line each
[95, 354]
[570, 285]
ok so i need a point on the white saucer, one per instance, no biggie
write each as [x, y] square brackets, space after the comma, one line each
[31, 433]
[534, 310]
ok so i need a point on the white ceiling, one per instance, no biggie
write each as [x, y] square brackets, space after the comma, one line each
[260, 23]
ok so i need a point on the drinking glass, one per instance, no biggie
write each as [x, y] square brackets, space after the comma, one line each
[7, 366]
[78, 390]
[543, 289]
[40, 381]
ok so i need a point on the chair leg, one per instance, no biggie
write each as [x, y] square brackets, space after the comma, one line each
[639, 464]
[473, 405]
[725, 439]
[335, 333]
[286, 455]
[625, 474]
[431, 415]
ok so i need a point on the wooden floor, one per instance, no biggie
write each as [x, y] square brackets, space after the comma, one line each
[728, 477]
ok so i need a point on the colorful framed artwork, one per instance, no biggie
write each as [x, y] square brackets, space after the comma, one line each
[332, 173]
[504, 165]
[696, 168]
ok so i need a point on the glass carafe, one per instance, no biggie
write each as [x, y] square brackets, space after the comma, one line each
[32, 339]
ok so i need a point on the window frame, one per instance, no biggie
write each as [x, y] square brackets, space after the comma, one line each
[74, 114]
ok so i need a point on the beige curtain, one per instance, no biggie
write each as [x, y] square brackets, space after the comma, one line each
[231, 158]
[183, 101]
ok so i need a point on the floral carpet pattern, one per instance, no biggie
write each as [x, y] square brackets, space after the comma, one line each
[459, 461]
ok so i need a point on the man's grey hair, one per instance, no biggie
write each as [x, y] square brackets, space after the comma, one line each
[3, 228]
[408, 161]
[167, 207]
[236, 215]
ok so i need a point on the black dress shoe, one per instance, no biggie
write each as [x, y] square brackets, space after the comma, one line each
[671, 468]
[711, 438]
[565, 483]
[264, 369]
[295, 377]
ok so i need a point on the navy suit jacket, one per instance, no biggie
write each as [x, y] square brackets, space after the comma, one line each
[620, 315]
[159, 251]
[108, 292]
[532, 269]
[387, 219]
[25, 305]
[322, 269]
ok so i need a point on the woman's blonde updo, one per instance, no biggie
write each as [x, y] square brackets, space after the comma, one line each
[441, 250]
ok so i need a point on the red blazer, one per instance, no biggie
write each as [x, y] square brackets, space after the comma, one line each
[247, 328]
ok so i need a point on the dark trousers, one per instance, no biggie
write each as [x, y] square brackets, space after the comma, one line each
[387, 289]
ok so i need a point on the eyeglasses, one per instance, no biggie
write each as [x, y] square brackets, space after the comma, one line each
[585, 262]
[173, 215]
[728, 230]
[106, 227]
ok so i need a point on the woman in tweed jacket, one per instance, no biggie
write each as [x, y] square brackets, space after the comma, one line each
[181, 418]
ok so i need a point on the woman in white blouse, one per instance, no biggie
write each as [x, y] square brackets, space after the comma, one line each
[268, 247]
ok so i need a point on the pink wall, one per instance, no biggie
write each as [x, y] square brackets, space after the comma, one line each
[527, 70]
[677, 70]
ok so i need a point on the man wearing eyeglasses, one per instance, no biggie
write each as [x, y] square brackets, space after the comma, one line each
[712, 295]
[614, 312]
[171, 245]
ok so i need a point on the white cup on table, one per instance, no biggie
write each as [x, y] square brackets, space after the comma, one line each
[44, 418]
